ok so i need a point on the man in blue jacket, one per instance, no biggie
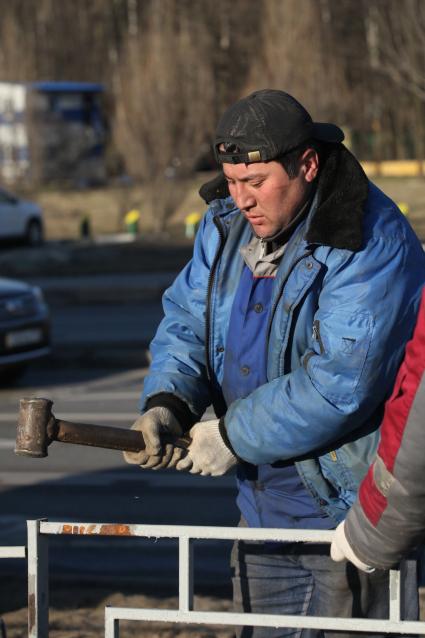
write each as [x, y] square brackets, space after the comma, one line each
[291, 320]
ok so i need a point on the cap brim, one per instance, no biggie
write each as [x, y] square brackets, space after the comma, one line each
[327, 132]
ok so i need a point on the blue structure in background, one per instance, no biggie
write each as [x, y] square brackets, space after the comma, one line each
[52, 131]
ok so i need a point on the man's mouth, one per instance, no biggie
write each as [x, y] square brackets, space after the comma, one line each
[254, 219]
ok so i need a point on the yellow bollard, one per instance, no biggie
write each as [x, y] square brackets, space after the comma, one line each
[131, 221]
[191, 224]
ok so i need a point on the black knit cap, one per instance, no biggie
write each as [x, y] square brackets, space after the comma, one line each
[265, 125]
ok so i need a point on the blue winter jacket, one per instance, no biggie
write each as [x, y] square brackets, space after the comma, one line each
[340, 320]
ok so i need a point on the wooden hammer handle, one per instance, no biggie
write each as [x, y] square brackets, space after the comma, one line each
[112, 438]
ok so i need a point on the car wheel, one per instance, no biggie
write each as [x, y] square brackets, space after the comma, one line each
[34, 233]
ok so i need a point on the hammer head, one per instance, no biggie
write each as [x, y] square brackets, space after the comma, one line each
[32, 437]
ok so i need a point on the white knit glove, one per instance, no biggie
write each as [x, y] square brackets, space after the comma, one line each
[153, 424]
[342, 550]
[207, 454]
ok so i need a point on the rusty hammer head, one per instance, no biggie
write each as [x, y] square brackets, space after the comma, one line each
[34, 423]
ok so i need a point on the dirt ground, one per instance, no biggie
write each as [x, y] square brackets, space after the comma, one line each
[77, 611]
[106, 207]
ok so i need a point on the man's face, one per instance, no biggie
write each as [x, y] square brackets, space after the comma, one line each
[265, 194]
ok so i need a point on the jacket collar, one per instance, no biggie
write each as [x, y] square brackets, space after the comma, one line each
[342, 191]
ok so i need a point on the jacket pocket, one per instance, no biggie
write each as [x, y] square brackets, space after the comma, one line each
[341, 342]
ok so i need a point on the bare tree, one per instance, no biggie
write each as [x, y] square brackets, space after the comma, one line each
[298, 55]
[397, 43]
[49, 40]
[185, 62]
[396, 46]
[166, 96]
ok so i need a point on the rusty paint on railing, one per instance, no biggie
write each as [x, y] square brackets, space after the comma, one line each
[115, 530]
[97, 530]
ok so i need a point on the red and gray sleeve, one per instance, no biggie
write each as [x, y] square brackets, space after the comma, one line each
[388, 518]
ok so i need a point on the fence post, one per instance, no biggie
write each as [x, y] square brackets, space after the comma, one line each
[112, 629]
[395, 599]
[38, 584]
[185, 573]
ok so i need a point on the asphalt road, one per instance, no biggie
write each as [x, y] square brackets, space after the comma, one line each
[76, 483]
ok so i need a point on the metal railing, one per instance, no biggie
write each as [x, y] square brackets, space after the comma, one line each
[10, 551]
[39, 531]
[13, 551]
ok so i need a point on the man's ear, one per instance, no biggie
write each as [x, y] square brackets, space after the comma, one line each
[310, 164]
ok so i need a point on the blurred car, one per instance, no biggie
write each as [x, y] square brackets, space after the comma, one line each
[20, 219]
[24, 327]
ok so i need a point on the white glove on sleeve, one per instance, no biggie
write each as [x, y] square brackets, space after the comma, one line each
[153, 424]
[207, 454]
[342, 550]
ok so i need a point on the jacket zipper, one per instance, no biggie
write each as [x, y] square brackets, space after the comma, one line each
[285, 281]
[221, 232]
[317, 336]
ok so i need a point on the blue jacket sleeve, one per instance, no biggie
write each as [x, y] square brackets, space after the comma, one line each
[366, 313]
[178, 348]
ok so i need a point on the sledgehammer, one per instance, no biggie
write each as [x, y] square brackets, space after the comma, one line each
[38, 427]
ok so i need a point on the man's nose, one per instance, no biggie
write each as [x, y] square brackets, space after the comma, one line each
[243, 198]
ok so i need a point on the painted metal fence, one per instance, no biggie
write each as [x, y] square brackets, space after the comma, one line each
[11, 551]
[15, 551]
[38, 609]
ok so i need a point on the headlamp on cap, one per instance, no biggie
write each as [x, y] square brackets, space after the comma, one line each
[231, 153]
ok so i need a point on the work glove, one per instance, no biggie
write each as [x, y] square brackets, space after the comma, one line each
[207, 453]
[155, 423]
[342, 550]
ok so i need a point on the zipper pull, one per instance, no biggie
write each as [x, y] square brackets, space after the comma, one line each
[317, 336]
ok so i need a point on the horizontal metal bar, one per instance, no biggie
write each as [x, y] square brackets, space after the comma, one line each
[13, 552]
[188, 531]
[264, 620]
